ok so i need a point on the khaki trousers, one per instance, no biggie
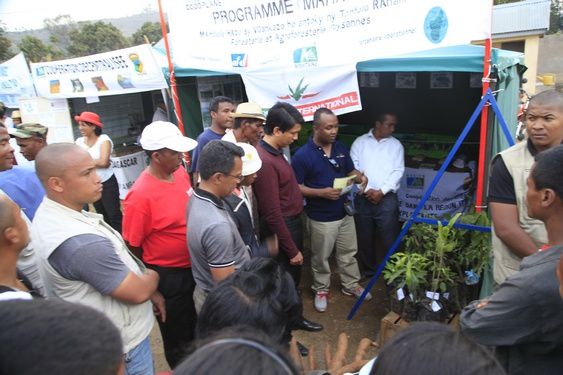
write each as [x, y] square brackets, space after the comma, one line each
[340, 236]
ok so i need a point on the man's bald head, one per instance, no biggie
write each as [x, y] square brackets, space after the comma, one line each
[6, 213]
[549, 97]
[53, 160]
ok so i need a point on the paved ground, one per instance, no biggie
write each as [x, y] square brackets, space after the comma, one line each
[365, 323]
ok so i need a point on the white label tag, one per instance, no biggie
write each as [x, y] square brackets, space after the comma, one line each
[435, 306]
[400, 294]
[434, 296]
[447, 295]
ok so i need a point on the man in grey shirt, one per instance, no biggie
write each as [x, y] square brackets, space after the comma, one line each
[216, 247]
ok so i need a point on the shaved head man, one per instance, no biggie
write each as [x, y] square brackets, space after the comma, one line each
[84, 260]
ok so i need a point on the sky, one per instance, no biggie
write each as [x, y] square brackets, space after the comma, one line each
[19, 15]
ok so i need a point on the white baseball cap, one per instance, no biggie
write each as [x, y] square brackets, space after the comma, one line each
[251, 162]
[163, 134]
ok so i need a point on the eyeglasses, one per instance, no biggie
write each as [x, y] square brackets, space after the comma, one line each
[238, 178]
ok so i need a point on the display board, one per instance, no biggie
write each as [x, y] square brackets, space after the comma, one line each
[449, 197]
[127, 169]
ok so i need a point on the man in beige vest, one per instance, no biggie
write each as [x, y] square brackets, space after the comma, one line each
[83, 260]
[515, 234]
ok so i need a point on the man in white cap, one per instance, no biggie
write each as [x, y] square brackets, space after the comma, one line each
[154, 226]
[248, 125]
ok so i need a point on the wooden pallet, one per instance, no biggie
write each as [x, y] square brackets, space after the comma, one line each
[392, 323]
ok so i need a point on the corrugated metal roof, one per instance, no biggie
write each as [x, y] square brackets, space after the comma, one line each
[521, 18]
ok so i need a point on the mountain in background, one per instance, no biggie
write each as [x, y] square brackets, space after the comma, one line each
[127, 25]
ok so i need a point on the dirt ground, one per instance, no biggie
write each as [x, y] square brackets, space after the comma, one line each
[364, 324]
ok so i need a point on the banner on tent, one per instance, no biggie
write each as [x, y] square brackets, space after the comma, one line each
[15, 81]
[448, 198]
[335, 88]
[123, 71]
[251, 35]
[127, 169]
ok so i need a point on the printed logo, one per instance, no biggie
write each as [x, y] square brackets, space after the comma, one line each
[436, 25]
[306, 56]
[40, 71]
[415, 182]
[299, 92]
[137, 63]
[239, 60]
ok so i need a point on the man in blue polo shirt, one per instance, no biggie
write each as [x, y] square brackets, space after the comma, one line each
[316, 165]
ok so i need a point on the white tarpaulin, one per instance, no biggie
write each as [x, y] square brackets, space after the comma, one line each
[307, 90]
[448, 198]
[15, 81]
[127, 169]
[123, 71]
[261, 35]
[279, 46]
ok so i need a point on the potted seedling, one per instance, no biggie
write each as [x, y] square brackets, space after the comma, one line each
[406, 274]
[442, 276]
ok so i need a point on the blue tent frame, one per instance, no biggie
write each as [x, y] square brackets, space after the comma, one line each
[488, 98]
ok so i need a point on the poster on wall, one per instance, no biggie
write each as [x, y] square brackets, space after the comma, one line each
[15, 81]
[405, 80]
[441, 80]
[124, 71]
[52, 113]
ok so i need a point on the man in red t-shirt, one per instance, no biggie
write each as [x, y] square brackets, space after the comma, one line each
[154, 226]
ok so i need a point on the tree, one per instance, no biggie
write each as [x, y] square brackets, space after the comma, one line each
[555, 22]
[36, 51]
[91, 38]
[151, 30]
[59, 29]
[5, 46]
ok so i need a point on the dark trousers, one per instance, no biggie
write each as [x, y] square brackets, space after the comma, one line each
[109, 204]
[177, 286]
[380, 219]
[295, 227]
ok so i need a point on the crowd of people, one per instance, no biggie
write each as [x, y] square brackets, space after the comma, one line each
[217, 257]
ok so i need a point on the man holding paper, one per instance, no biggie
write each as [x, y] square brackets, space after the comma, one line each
[324, 171]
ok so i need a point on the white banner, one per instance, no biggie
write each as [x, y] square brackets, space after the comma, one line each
[334, 88]
[249, 35]
[15, 81]
[123, 71]
[448, 197]
[127, 169]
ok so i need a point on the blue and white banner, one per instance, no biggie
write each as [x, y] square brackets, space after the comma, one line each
[123, 71]
[261, 35]
[15, 81]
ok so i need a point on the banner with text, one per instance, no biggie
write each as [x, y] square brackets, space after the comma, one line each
[15, 81]
[335, 88]
[248, 35]
[448, 198]
[127, 169]
[123, 71]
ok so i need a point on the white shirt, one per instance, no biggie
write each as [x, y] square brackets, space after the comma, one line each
[96, 151]
[383, 161]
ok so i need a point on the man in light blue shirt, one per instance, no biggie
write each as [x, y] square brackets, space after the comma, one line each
[380, 157]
